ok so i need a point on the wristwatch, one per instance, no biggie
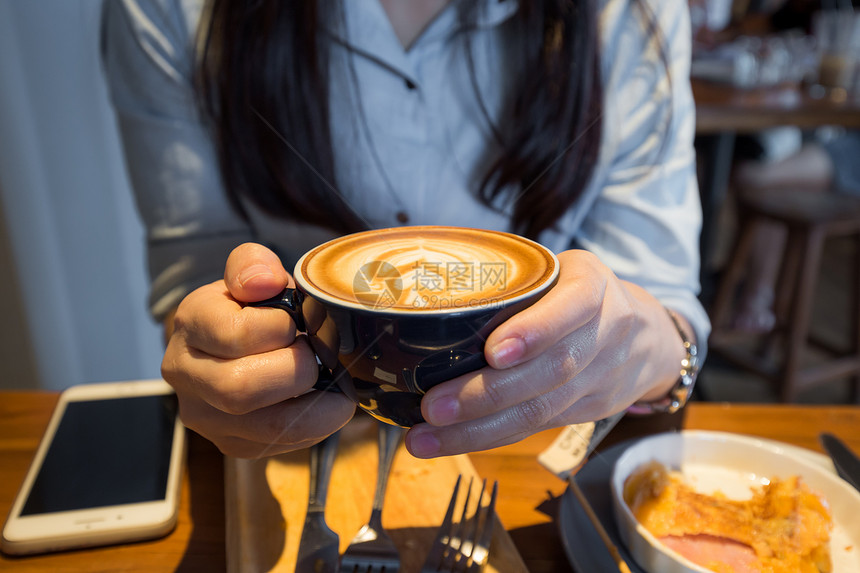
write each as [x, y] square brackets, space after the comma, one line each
[683, 388]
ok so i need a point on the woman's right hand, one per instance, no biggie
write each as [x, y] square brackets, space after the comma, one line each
[242, 374]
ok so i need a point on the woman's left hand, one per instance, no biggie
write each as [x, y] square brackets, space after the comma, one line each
[589, 348]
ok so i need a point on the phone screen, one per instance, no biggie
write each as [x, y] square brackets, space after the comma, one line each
[106, 452]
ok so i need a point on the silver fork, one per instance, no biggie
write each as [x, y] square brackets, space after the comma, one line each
[371, 550]
[464, 546]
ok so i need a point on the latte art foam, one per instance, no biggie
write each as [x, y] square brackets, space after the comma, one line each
[426, 268]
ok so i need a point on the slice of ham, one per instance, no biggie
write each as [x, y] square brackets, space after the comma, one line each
[709, 551]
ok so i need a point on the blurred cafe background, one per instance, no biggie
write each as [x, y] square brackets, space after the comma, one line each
[777, 94]
[768, 75]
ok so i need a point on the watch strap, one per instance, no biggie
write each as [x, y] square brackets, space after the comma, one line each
[680, 393]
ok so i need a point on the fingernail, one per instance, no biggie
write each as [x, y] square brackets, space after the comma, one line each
[253, 272]
[508, 352]
[424, 444]
[443, 410]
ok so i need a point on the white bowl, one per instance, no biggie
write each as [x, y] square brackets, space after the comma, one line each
[731, 463]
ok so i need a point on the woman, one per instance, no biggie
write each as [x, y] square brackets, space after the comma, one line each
[286, 123]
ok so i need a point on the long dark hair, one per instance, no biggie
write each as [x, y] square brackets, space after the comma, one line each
[262, 80]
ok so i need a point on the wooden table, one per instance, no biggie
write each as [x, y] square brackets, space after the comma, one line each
[526, 507]
[723, 111]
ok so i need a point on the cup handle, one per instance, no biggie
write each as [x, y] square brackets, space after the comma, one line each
[290, 301]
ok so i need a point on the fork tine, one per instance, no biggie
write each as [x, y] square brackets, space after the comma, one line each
[468, 541]
[463, 547]
[481, 550]
[437, 551]
[457, 538]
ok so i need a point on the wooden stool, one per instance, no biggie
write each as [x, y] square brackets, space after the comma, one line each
[779, 356]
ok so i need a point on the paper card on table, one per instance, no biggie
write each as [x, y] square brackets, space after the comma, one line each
[574, 444]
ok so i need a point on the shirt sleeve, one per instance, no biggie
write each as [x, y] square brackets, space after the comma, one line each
[646, 216]
[148, 58]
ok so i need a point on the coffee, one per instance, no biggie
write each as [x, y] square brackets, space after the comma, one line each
[426, 269]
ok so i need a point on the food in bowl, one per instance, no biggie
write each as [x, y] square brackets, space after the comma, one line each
[784, 527]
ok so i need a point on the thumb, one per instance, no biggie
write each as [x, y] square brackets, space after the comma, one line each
[254, 273]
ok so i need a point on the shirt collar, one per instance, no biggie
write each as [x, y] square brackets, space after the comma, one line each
[366, 30]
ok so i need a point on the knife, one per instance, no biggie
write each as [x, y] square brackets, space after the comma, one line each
[846, 462]
[318, 548]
